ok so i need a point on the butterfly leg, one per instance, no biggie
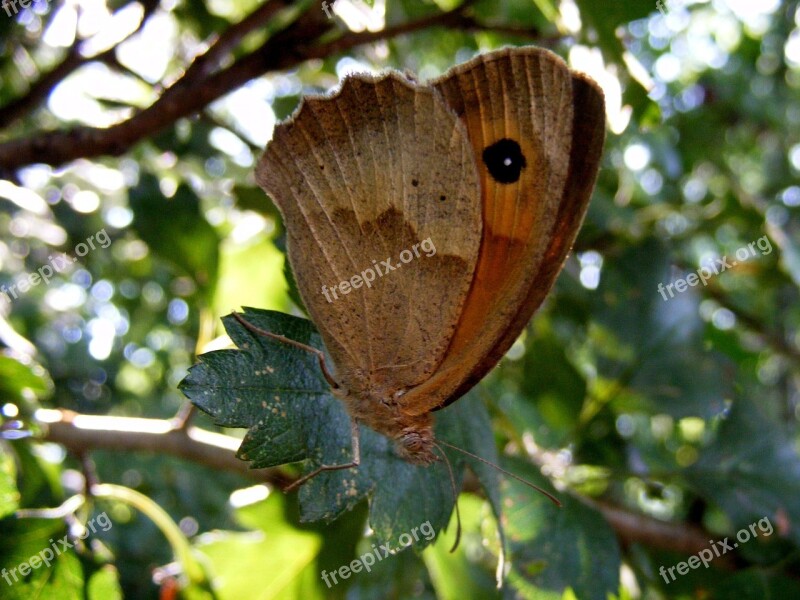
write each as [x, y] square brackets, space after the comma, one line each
[356, 441]
[282, 338]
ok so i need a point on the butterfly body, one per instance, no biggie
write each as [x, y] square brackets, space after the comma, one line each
[413, 434]
[492, 165]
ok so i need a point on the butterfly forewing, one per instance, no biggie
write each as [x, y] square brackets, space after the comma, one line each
[360, 177]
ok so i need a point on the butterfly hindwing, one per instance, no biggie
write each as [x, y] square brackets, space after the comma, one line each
[536, 129]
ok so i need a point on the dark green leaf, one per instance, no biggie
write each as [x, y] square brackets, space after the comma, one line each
[655, 345]
[238, 558]
[279, 393]
[284, 106]
[176, 230]
[751, 470]
[554, 548]
[467, 572]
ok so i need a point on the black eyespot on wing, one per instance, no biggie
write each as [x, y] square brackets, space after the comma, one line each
[505, 160]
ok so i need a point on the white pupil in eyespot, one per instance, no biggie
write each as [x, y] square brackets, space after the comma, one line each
[507, 162]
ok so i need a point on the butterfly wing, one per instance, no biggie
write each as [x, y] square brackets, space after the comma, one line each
[360, 177]
[588, 135]
[537, 130]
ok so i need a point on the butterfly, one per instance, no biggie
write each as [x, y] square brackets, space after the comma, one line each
[488, 169]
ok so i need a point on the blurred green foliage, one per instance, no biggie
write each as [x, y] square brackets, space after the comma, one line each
[670, 410]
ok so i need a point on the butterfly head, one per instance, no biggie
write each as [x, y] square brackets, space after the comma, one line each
[415, 444]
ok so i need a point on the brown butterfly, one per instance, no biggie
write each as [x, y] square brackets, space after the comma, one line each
[492, 166]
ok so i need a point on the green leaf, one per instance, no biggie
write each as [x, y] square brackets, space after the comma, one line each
[250, 274]
[751, 584]
[9, 495]
[523, 14]
[21, 540]
[195, 16]
[554, 548]
[16, 378]
[718, 582]
[751, 470]
[399, 576]
[187, 139]
[266, 258]
[104, 585]
[294, 291]
[552, 390]
[175, 229]
[284, 106]
[278, 392]
[646, 111]
[40, 483]
[656, 346]
[238, 559]
[255, 199]
[455, 575]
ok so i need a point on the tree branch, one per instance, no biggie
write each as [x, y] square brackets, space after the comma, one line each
[81, 434]
[199, 86]
[206, 63]
[31, 100]
[636, 528]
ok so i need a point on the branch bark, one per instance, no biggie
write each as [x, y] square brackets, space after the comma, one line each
[201, 84]
[72, 61]
[636, 528]
[81, 434]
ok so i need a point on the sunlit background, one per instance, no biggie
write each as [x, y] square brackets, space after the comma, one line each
[613, 389]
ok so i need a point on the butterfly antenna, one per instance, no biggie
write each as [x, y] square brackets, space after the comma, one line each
[552, 498]
[455, 495]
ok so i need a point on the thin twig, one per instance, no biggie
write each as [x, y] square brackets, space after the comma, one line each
[183, 417]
